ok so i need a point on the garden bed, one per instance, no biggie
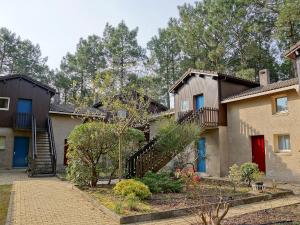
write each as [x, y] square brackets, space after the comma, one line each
[287, 215]
[161, 206]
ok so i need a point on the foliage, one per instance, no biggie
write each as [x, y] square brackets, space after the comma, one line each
[235, 176]
[173, 138]
[161, 183]
[128, 187]
[132, 202]
[122, 51]
[126, 108]
[188, 176]
[21, 56]
[249, 172]
[87, 144]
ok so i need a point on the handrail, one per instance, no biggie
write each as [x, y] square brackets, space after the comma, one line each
[33, 134]
[52, 145]
[205, 117]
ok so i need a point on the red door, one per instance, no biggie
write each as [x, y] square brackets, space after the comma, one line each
[258, 152]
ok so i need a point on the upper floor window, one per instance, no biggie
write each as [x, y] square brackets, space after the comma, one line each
[284, 142]
[184, 106]
[281, 104]
[2, 143]
[4, 103]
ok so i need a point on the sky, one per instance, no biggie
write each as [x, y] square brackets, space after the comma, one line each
[57, 25]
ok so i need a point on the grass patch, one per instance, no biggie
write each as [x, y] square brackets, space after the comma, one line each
[4, 201]
[118, 204]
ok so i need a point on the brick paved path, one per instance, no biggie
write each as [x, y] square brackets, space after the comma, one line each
[49, 201]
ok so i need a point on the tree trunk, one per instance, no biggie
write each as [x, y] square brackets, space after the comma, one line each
[120, 159]
[111, 175]
[94, 177]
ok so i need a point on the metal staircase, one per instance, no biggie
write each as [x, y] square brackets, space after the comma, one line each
[43, 162]
[149, 158]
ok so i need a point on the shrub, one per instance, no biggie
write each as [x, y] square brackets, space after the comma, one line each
[235, 176]
[88, 142]
[161, 183]
[129, 187]
[249, 172]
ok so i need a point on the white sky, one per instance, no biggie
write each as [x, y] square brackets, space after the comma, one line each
[57, 25]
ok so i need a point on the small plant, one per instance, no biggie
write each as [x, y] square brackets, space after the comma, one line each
[235, 176]
[125, 188]
[162, 183]
[119, 207]
[132, 202]
[249, 173]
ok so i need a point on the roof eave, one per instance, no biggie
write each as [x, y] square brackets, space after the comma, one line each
[292, 87]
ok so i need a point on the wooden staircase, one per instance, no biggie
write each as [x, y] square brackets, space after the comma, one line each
[149, 158]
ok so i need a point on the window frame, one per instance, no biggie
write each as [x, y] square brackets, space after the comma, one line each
[276, 105]
[4, 146]
[187, 104]
[8, 103]
[288, 149]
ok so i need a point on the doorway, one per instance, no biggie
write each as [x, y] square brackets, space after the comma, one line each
[21, 147]
[258, 152]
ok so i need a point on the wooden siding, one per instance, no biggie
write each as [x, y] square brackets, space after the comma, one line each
[20, 88]
[197, 86]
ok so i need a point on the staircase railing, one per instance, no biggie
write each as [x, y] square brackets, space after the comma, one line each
[33, 134]
[31, 161]
[52, 145]
[147, 158]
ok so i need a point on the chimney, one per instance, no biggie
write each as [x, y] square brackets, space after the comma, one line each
[264, 77]
[56, 99]
[294, 55]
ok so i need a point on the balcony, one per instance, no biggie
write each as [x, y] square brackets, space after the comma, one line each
[205, 117]
[23, 121]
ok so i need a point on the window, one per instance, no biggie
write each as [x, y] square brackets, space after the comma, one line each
[2, 143]
[284, 142]
[184, 105]
[4, 103]
[281, 104]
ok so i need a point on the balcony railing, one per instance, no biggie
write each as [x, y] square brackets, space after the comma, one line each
[23, 121]
[205, 117]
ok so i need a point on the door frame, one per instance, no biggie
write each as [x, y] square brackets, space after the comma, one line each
[27, 153]
[263, 167]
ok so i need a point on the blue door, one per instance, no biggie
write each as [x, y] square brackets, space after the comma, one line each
[24, 106]
[199, 102]
[21, 147]
[201, 155]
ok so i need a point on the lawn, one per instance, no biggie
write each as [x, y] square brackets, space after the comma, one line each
[4, 201]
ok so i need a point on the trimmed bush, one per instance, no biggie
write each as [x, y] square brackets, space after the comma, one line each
[161, 183]
[132, 187]
[249, 172]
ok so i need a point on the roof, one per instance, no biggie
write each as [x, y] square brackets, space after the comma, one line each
[291, 53]
[191, 72]
[262, 90]
[146, 97]
[29, 79]
[68, 109]
[167, 113]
